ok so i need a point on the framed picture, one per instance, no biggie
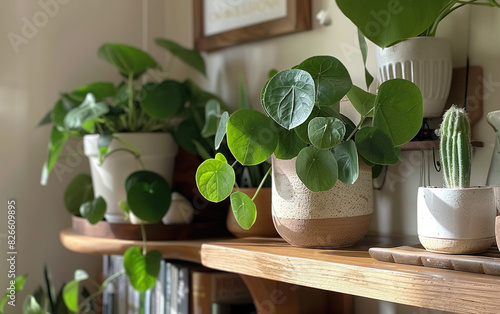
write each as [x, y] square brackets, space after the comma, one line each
[222, 23]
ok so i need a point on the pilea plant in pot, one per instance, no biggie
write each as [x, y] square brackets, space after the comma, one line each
[456, 219]
[313, 145]
[405, 32]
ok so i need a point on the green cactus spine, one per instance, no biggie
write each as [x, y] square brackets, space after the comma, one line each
[455, 148]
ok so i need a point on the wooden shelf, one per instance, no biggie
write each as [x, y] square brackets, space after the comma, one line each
[354, 272]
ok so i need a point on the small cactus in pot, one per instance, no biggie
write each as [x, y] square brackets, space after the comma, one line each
[455, 148]
[456, 219]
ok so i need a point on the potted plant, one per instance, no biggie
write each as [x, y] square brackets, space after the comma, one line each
[126, 128]
[456, 219]
[312, 145]
[405, 33]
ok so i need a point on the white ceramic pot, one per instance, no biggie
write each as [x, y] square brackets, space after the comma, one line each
[426, 61]
[339, 217]
[456, 221]
[157, 150]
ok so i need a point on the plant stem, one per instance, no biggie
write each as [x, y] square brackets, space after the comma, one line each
[136, 155]
[359, 124]
[262, 182]
[144, 241]
[101, 288]
[131, 109]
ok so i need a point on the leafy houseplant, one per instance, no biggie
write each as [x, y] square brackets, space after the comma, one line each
[302, 121]
[456, 219]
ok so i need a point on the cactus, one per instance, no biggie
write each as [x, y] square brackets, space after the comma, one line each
[455, 148]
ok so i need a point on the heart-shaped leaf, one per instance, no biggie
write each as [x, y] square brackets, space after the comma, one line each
[325, 133]
[346, 155]
[221, 157]
[56, 144]
[148, 195]
[244, 209]
[100, 90]
[289, 97]
[71, 290]
[302, 130]
[221, 129]
[331, 78]
[93, 210]
[212, 116]
[163, 100]
[215, 179]
[88, 111]
[398, 110]
[289, 144]
[142, 270]
[251, 136]
[376, 146]
[127, 59]
[362, 101]
[78, 191]
[317, 169]
[191, 57]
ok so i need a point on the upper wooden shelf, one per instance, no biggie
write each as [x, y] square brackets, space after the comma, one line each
[353, 271]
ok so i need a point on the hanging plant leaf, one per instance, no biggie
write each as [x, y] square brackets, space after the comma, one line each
[93, 210]
[148, 195]
[398, 110]
[163, 100]
[221, 129]
[127, 59]
[331, 78]
[78, 191]
[71, 290]
[212, 116]
[362, 101]
[376, 146]
[56, 144]
[289, 97]
[103, 144]
[325, 133]
[289, 145]
[142, 270]
[215, 179]
[251, 136]
[346, 155]
[244, 210]
[78, 117]
[317, 169]
[191, 57]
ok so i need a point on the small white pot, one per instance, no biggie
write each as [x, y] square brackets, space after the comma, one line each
[456, 221]
[426, 61]
[157, 150]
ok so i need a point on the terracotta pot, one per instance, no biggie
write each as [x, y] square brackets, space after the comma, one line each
[339, 217]
[263, 226]
[456, 221]
[426, 61]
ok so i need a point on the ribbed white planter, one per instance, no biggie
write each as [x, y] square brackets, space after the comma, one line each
[158, 151]
[339, 217]
[426, 61]
[456, 221]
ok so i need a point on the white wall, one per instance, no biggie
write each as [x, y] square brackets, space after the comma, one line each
[59, 55]
[395, 210]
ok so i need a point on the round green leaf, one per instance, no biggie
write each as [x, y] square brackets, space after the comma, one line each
[93, 210]
[325, 133]
[317, 169]
[331, 78]
[141, 270]
[251, 136]
[215, 180]
[78, 191]
[148, 195]
[244, 209]
[346, 155]
[398, 110]
[127, 59]
[163, 100]
[289, 144]
[56, 144]
[289, 97]
[221, 157]
[362, 101]
[221, 129]
[376, 146]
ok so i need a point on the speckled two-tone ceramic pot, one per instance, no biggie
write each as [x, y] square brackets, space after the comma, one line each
[339, 217]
